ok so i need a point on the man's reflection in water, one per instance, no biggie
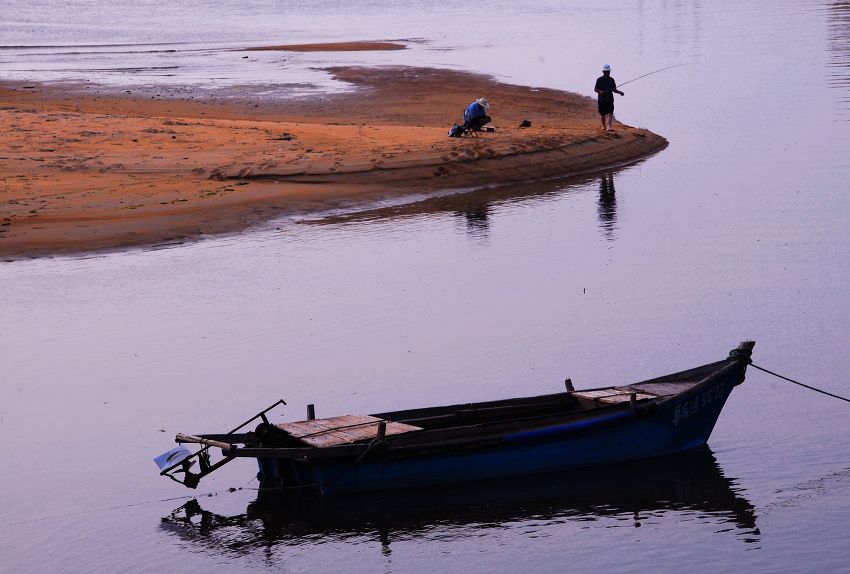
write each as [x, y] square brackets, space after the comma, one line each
[477, 218]
[607, 206]
[838, 46]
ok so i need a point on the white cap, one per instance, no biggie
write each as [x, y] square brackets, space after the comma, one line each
[606, 67]
[484, 102]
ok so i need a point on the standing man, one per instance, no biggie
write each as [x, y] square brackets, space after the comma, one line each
[606, 87]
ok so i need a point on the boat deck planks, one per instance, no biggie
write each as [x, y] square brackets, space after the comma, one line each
[613, 396]
[341, 430]
[664, 389]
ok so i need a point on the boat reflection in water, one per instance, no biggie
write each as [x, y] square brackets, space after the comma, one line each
[688, 482]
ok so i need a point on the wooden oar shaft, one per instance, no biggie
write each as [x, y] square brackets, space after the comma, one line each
[183, 438]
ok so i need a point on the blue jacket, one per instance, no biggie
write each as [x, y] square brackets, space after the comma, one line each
[474, 110]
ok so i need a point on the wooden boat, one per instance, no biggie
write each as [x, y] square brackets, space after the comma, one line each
[476, 441]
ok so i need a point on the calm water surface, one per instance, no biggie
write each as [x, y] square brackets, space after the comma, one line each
[738, 230]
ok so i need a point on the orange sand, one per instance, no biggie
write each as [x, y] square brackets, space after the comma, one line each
[81, 171]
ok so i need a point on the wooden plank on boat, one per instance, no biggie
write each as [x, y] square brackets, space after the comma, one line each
[613, 396]
[593, 395]
[665, 389]
[341, 430]
[624, 398]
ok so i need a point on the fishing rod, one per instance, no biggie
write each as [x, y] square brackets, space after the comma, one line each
[649, 74]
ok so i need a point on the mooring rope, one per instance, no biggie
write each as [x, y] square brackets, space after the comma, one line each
[798, 383]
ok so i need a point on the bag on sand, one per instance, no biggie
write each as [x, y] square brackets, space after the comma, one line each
[456, 131]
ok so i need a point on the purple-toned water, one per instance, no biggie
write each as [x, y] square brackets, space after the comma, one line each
[738, 230]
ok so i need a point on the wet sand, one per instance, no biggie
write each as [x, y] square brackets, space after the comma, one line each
[84, 170]
[332, 47]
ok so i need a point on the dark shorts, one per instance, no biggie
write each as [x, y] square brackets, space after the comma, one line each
[606, 108]
[477, 123]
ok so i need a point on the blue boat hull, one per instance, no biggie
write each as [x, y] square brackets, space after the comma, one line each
[681, 423]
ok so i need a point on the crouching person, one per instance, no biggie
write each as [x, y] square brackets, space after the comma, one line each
[475, 116]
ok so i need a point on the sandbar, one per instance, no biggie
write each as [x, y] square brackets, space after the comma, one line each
[85, 170]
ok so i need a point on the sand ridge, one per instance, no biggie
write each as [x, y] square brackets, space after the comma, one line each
[358, 46]
[85, 171]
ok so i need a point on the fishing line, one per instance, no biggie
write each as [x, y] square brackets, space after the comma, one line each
[650, 73]
[799, 383]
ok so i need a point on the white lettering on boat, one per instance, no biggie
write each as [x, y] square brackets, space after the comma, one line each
[690, 407]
